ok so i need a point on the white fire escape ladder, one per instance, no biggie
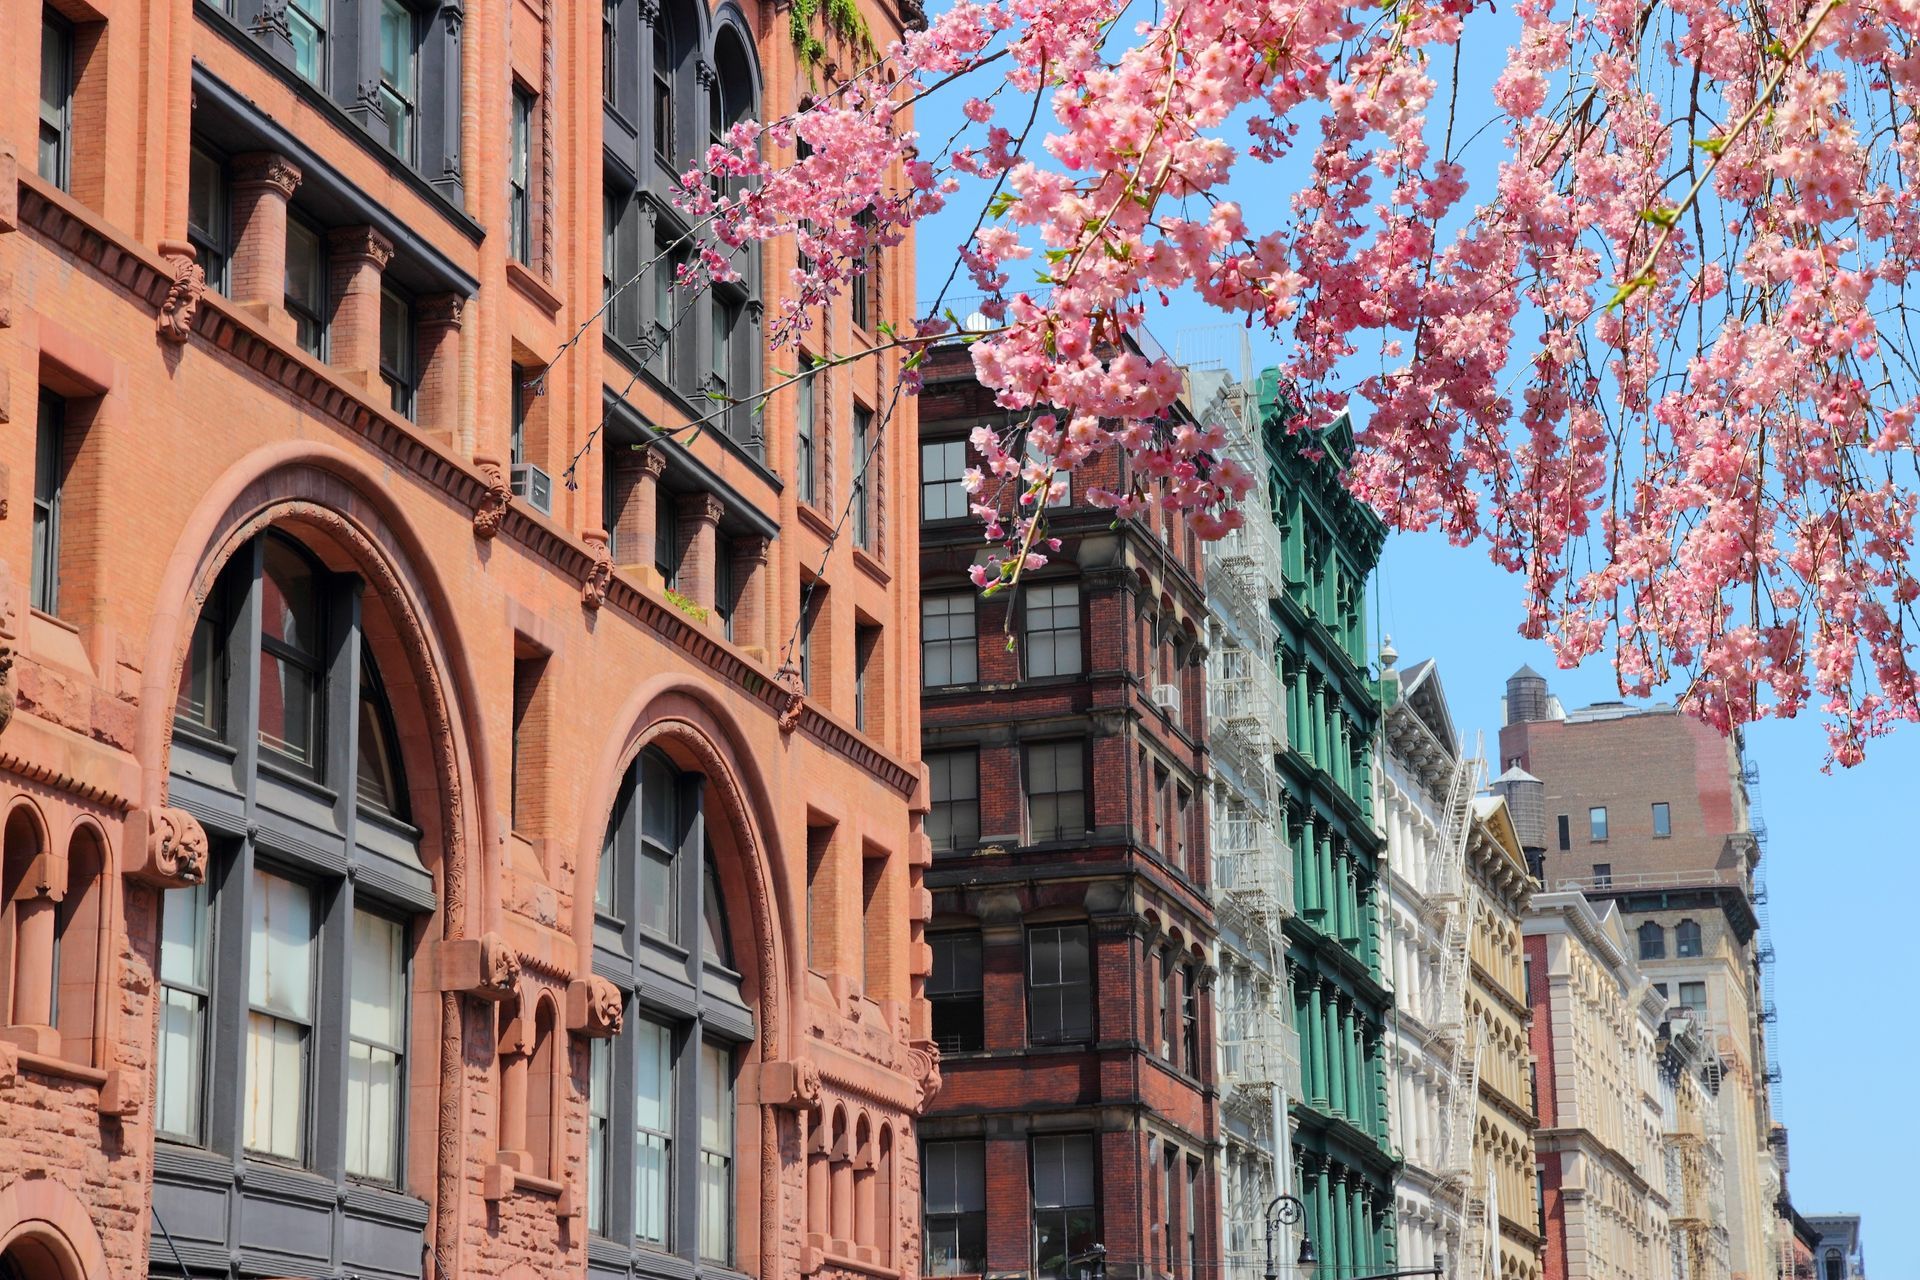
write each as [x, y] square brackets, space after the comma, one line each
[1461, 1109]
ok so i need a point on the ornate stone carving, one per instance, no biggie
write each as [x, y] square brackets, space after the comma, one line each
[792, 1086]
[495, 501]
[486, 967]
[183, 295]
[267, 169]
[174, 854]
[594, 1007]
[794, 692]
[361, 242]
[439, 311]
[924, 1059]
[593, 592]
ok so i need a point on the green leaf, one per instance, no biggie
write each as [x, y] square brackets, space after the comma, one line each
[1660, 217]
[1712, 146]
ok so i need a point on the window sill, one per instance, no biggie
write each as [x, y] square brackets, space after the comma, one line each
[502, 1180]
[863, 1258]
[871, 566]
[815, 520]
[534, 289]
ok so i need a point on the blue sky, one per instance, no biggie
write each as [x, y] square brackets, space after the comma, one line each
[1841, 870]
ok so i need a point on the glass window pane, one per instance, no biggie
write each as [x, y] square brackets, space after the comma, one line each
[280, 956]
[655, 908]
[599, 1132]
[653, 1128]
[275, 1105]
[379, 997]
[289, 604]
[184, 942]
[182, 1043]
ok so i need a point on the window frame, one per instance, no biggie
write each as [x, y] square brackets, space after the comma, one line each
[1689, 940]
[307, 319]
[865, 449]
[1597, 827]
[963, 1223]
[1056, 750]
[522, 106]
[49, 489]
[401, 373]
[936, 456]
[398, 1049]
[959, 988]
[315, 665]
[1068, 1030]
[1091, 1210]
[1651, 940]
[956, 836]
[1662, 820]
[957, 652]
[405, 146]
[806, 465]
[55, 26]
[1042, 603]
[213, 245]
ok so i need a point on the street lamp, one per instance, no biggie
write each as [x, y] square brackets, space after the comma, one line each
[1288, 1210]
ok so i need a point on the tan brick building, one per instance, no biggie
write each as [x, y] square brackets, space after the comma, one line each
[438, 840]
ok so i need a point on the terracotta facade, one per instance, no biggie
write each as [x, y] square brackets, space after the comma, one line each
[436, 844]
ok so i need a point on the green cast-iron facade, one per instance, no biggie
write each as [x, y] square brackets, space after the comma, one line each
[1343, 1168]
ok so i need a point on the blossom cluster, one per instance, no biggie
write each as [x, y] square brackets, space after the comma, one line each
[1659, 366]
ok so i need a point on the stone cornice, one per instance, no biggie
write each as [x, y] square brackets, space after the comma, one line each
[141, 274]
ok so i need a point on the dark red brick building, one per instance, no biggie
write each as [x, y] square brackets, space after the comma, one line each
[1063, 727]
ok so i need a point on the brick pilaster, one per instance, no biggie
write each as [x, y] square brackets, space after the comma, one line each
[750, 592]
[357, 256]
[636, 488]
[263, 182]
[699, 513]
[436, 327]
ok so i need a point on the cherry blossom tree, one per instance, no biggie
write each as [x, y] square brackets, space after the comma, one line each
[1655, 356]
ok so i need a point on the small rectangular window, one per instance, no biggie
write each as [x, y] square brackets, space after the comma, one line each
[1065, 1222]
[1662, 820]
[954, 820]
[866, 668]
[1056, 790]
[56, 99]
[376, 1052]
[520, 178]
[661, 831]
[666, 538]
[307, 27]
[1190, 1020]
[812, 595]
[726, 317]
[955, 991]
[1059, 985]
[529, 742]
[663, 122]
[863, 453]
[49, 482]
[954, 1181]
[1052, 639]
[209, 216]
[399, 75]
[1566, 834]
[1693, 995]
[716, 1153]
[667, 315]
[397, 366]
[186, 984]
[1597, 824]
[949, 644]
[280, 972]
[943, 489]
[609, 53]
[860, 301]
[805, 466]
[1603, 875]
[652, 1130]
[306, 293]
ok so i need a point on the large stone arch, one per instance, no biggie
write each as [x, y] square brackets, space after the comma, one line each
[47, 1228]
[342, 510]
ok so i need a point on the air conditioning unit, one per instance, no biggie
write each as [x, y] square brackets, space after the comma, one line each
[1166, 697]
[533, 486]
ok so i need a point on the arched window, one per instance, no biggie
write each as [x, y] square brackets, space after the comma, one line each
[1653, 941]
[1835, 1266]
[665, 1085]
[314, 902]
[1686, 938]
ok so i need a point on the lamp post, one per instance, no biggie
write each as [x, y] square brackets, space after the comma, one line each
[1288, 1210]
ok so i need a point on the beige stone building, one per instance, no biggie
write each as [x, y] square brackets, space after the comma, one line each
[1502, 1203]
[1695, 1170]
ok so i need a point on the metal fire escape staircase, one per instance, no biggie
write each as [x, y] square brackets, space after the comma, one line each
[1459, 1040]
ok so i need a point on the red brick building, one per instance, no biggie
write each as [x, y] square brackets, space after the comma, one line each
[416, 859]
[1071, 988]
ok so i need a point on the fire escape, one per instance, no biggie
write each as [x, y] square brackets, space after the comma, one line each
[1459, 1039]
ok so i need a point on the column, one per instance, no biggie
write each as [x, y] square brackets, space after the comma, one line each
[699, 513]
[1313, 1049]
[356, 258]
[1356, 1079]
[1340, 1228]
[1331, 1035]
[436, 328]
[819, 1221]
[750, 593]
[33, 961]
[263, 182]
[1362, 1228]
[1329, 894]
[513, 1108]
[863, 1192]
[636, 486]
[842, 1189]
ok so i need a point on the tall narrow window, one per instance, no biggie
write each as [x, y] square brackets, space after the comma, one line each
[949, 645]
[56, 99]
[943, 490]
[666, 320]
[1056, 790]
[1064, 1222]
[726, 316]
[610, 206]
[186, 984]
[1566, 836]
[307, 27]
[520, 179]
[306, 293]
[1653, 941]
[609, 52]
[811, 596]
[862, 452]
[1597, 823]
[1190, 1019]
[805, 467]
[1059, 985]
[953, 823]
[1662, 820]
[955, 1180]
[955, 991]
[1052, 642]
[866, 666]
[376, 1029]
[1193, 1219]
[1686, 939]
[526, 761]
[280, 972]
[397, 365]
[716, 1153]
[653, 1130]
[661, 828]
[726, 588]
[292, 666]
[399, 75]
[517, 394]
[862, 286]
[599, 1131]
[666, 539]
[663, 69]
[209, 220]
[49, 480]
[1169, 1007]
